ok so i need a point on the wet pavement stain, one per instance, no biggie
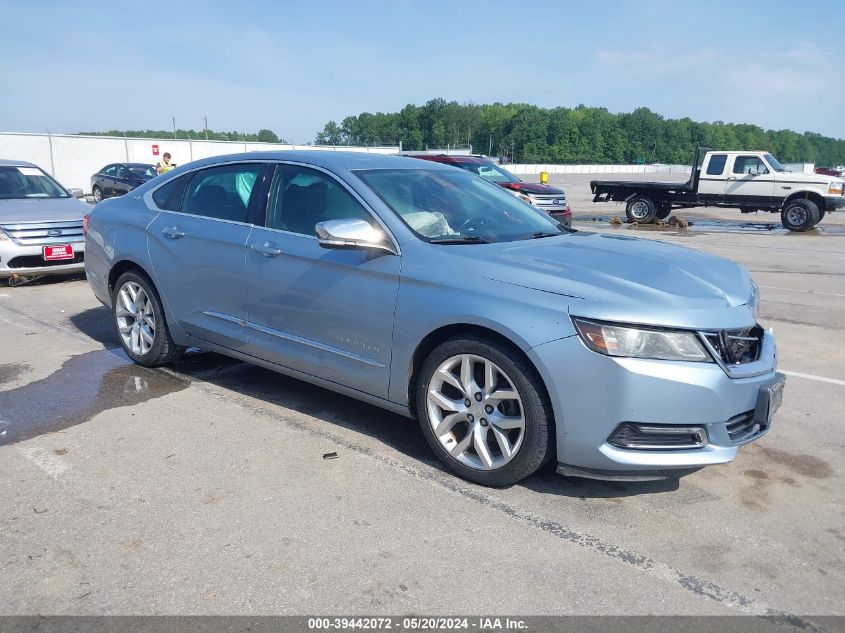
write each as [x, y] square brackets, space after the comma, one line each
[805, 465]
[700, 226]
[84, 386]
[10, 372]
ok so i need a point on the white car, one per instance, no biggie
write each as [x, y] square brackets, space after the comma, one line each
[40, 223]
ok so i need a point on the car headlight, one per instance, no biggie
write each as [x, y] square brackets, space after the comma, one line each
[754, 301]
[836, 188]
[3, 236]
[612, 339]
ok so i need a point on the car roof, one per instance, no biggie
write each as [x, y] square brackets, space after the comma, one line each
[327, 159]
[447, 158]
[15, 163]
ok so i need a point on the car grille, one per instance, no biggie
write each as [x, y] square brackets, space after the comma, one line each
[36, 261]
[743, 427]
[44, 233]
[547, 203]
[736, 347]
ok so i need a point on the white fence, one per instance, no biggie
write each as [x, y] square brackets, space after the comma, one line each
[521, 169]
[73, 159]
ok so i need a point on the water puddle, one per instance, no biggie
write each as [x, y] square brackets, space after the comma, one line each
[698, 225]
[84, 386]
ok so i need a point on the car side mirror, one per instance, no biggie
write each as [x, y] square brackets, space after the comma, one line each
[76, 192]
[352, 234]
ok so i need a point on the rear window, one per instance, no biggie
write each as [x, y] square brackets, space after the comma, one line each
[223, 192]
[716, 166]
[168, 197]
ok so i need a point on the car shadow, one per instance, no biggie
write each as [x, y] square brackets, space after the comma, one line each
[396, 431]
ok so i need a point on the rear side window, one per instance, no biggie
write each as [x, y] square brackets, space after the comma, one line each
[168, 197]
[222, 192]
[716, 166]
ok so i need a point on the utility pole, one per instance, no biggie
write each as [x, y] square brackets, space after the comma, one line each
[490, 149]
[174, 128]
[205, 124]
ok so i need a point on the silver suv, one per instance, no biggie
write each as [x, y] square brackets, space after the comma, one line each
[433, 293]
[40, 223]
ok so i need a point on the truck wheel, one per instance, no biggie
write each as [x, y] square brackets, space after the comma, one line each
[641, 210]
[663, 210]
[800, 215]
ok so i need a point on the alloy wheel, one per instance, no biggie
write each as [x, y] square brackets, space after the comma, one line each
[796, 215]
[640, 209]
[135, 318]
[476, 412]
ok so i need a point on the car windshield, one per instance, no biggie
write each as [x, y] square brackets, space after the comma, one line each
[143, 172]
[489, 171]
[28, 182]
[451, 206]
[774, 162]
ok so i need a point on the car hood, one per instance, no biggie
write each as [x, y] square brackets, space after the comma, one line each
[532, 187]
[633, 279]
[808, 178]
[42, 210]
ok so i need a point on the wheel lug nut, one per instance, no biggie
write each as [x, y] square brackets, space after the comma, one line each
[488, 409]
[468, 402]
[478, 397]
[471, 417]
[483, 422]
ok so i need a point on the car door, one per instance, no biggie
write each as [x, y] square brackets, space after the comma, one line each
[197, 249]
[122, 183]
[749, 181]
[326, 312]
[711, 182]
[107, 180]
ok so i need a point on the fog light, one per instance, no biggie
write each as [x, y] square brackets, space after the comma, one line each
[652, 437]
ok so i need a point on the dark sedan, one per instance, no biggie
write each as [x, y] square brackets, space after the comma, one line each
[120, 178]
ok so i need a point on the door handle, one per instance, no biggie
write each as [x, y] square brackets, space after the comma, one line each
[268, 249]
[731, 178]
[173, 232]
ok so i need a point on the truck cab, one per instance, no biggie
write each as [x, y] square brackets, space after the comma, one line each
[756, 180]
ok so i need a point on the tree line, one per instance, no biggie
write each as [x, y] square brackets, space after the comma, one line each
[524, 133]
[262, 136]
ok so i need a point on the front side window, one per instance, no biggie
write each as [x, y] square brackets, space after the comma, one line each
[222, 192]
[122, 172]
[775, 163]
[749, 166]
[446, 205]
[716, 166]
[28, 182]
[300, 198]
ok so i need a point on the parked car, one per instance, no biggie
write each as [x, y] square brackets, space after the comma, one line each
[120, 178]
[749, 181]
[550, 199]
[829, 171]
[40, 223]
[429, 291]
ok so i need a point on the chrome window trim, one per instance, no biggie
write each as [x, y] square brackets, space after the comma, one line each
[745, 370]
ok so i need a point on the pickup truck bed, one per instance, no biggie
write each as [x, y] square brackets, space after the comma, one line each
[640, 185]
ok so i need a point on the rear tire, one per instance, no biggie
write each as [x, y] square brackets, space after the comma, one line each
[140, 322]
[800, 215]
[495, 440]
[97, 193]
[641, 210]
[664, 209]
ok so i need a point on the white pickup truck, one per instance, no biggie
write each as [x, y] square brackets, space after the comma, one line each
[749, 181]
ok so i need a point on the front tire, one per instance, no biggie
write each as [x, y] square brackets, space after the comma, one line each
[641, 210]
[800, 215]
[664, 209]
[140, 322]
[484, 411]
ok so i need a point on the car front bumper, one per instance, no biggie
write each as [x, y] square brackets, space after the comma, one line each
[832, 203]
[16, 259]
[593, 394]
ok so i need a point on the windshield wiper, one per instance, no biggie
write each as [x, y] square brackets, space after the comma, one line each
[461, 239]
[539, 234]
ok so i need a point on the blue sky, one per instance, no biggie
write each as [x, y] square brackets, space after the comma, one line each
[293, 65]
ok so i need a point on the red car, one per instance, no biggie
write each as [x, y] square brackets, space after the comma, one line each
[550, 199]
[829, 171]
